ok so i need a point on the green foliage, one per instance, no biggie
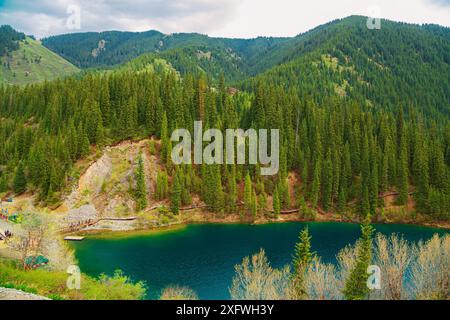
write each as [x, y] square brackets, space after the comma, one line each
[162, 186]
[348, 149]
[276, 202]
[24, 60]
[356, 284]
[175, 197]
[141, 189]
[53, 284]
[248, 189]
[301, 260]
[20, 181]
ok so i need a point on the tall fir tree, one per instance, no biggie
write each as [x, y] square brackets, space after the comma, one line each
[356, 284]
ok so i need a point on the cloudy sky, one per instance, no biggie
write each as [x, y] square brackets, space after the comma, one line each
[229, 18]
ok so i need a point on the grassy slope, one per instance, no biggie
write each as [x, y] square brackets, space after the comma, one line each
[24, 68]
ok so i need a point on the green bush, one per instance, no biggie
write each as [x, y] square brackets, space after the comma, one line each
[52, 284]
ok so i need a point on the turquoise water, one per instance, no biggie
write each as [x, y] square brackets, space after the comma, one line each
[203, 257]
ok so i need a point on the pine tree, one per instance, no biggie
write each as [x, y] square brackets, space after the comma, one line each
[315, 189]
[141, 189]
[301, 260]
[165, 139]
[276, 203]
[20, 181]
[254, 205]
[162, 185]
[175, 197]
[262, 203]
[365, 177]
[3, 182]
[402, 183]
[248, 193]
[327, 183]
[356, 284]
[231, 191]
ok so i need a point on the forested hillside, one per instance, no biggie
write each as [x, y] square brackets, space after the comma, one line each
[400, 64]
[187, 51]
[345, 157]
[24, 60]
[363, 114]
[9, 39]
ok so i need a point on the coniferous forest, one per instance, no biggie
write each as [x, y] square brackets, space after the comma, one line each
[351, 130]
[345, 155]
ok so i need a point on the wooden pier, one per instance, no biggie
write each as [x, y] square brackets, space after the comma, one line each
[73, 238]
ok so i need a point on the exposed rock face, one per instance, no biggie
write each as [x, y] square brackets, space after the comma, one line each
[83, 213]
[105, 188]
[13, 294]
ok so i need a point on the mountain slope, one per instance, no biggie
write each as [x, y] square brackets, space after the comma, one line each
[112, 48]
[399, 65]
[31, 62]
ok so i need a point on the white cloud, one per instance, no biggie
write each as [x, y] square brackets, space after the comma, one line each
[47, 17]
[230, 18]
[291, 17]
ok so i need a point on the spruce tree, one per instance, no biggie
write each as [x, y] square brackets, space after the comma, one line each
[276, 203]
[315, 189]
[301, 260]
[20, 181]
[141, 189]
[248, 193]
[175, 197]
[254, 205]
[356, 284]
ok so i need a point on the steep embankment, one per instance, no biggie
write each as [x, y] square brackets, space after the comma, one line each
[105, 188]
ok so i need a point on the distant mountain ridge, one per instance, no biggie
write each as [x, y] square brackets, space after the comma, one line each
[120, 47]
[236, 58]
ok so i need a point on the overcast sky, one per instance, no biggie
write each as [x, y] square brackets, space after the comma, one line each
[228, 18]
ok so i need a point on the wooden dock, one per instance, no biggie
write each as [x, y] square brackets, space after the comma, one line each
[73, 238]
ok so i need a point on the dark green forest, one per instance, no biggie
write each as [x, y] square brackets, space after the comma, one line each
[362, 113]
[9, 39]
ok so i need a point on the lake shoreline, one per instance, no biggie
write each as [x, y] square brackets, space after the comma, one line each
[201, 217]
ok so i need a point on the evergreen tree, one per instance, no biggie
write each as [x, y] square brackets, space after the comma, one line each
[276, 203]
[254, 205]
[162, 185]
[141, 189]
[248, 189]
[356, 284]
[20, 181]
[175, 197]
[301, 260]
[315, 189]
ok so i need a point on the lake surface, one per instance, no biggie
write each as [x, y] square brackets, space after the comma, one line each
[203, 257]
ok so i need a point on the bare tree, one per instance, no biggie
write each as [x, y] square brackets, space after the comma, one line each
[178, 293]
[321, 281]
[346, 259]
[28, 240]
[393, 256]
[256, 280]
[430, 270]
